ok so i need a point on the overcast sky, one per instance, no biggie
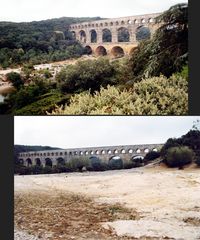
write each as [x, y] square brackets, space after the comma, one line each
[34, 10]
[77, 131]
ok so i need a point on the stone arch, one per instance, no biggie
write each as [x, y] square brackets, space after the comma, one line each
[81, 153]
[86, 153]
[122, 22]
[129, 22]
[82, 36]
[137, 157]
[91, 152]
[116, 23]
[103, 152]
[115, 162]
[116, 151]
[117, 52]
[111, 23]
[138, 150]
[143, 33]
[146, 150]
[154, 150]
[123, 35]
[88, 50]
[97, 152]
[21, 161]
[106, 24]
[48, 162]
[29, 162]
[132, 50]
[150, 20]
[93, 36]
[60, 161]
[100, 51]
[130, 151]
[73, 35]
[136, 21]
[106, 35]
[38, 162]
[123, 151]
[109, 151]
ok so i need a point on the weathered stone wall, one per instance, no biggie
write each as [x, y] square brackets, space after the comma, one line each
[131, 23]
[104, 153]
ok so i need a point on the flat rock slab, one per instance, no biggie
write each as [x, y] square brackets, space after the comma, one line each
[149, 228]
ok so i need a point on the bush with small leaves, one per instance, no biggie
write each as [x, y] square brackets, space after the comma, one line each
[151, 156]
[179, 156]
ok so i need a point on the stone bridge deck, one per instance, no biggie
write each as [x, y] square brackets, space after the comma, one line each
[126, 153]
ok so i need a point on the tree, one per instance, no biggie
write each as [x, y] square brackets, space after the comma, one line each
[167, 52]
[179, 156]
[15, 79]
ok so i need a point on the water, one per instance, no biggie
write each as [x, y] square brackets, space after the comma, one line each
[4, 92]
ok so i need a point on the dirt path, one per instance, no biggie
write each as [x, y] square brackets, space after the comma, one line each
[154, 203]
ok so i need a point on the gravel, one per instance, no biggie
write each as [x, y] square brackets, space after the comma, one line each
[22, 235]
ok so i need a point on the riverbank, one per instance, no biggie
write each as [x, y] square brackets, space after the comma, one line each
[146, 203]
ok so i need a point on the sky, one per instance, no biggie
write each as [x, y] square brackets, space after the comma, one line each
[96, 131]
[35, 10]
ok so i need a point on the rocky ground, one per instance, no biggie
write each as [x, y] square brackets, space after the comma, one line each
[143, 203]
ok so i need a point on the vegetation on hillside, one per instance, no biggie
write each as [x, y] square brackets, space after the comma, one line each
[154, 81]
[38, 42]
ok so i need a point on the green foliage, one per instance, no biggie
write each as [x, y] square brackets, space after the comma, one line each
[179, 156]
[43, 104]
[15, 79]
[167, 52]
[198, 161]
[76, 164]
[152, 156]
[155, 96]
[191, 140]
[38, 42]
[85, 75]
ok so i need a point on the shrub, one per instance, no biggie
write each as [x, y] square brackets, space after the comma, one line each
[85, 75]
[47, 170]
[76, 164]
[151, 156]
[96, 164]
[198, 161]
[128, 165]
[155, 96]
[15, 79]
[179, 156]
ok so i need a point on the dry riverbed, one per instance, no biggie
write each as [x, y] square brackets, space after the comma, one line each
[143, 203]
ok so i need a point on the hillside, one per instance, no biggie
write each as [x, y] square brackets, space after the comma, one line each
[38, 41]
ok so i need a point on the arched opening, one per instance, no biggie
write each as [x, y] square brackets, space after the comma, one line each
[97, 152]
[106, 35]
[155, 150]
[82, 35]
[109, 151]
[137, 161]
[138, 151]
[130, 151]
[93, 36]
[37, 162]
[132, 50]
[117, 52]
[115, 151]
[142, 33]
[115, 162]
[91, 152]
[103, 152]
[48, 162]
[123, 151]
[21, 161]
[28, 162]
[86, 152]
[101, 51]
[95, 163]
[73, 35]
[88, 50]
[146, 150]
[60, 161]
[123, 35]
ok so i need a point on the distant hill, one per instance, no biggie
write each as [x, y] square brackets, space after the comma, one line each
[38, 41]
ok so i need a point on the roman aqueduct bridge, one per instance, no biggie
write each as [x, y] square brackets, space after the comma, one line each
[92, 34]
[53, 157]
